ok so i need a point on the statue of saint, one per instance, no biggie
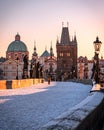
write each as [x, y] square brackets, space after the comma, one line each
[25, 59]
[25, 67]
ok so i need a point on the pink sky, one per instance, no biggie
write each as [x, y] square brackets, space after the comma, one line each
[41, 21]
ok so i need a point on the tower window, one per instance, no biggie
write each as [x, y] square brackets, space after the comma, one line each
[61, 54]
[68, 54]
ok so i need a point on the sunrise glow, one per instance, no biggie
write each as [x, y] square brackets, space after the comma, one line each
[41, 21]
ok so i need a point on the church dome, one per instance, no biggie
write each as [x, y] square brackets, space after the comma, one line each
[17, 45]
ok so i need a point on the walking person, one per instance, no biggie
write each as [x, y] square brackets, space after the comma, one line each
[49, 79]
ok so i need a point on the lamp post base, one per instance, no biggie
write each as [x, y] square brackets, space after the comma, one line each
[17, 77]
[96, 87]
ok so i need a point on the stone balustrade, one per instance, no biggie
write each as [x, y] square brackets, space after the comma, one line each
[5, 84]
[88, 115]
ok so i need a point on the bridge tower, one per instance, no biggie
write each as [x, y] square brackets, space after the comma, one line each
[66, 55]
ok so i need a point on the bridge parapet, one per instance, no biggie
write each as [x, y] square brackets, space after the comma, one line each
[5, 84]
[88, 115]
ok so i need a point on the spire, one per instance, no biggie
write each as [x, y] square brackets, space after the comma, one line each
[45, 48]
[35, 53]
[72, 38]
[62, 24]
[65, 39]
[34, 46]
[51, 50]
[17, 37]
[75, 39]
[67, 24]
[57, 41]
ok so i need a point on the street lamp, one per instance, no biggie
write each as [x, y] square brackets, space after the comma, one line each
[97, 45]
[17, 59]
[96, 68]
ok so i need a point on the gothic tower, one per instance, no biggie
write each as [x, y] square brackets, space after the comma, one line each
[35, 55]
[51, 51]
[66, 55]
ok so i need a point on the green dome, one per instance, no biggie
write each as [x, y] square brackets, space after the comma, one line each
[17, 45]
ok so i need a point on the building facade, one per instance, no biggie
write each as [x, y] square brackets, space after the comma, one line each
[11, 69]
[13, 66]
[17, 48]
[84, 68]
[63, 67]
[49, 62]
[66, 56]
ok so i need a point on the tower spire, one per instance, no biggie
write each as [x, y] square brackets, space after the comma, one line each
[67, 24]
[57, 41]
[45, 48]
[51, 50]
[72, 38]
[17, 37]
[35, 46]
[75, 39]
[62, 24]
[65, 38]
[35, 53]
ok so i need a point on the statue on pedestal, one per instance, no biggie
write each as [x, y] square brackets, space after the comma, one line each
[25, 67]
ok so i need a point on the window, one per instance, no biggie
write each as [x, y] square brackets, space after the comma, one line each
[68, 54]
[61, 54]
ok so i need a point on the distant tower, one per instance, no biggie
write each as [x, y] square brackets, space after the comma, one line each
[51, 51]
[66, 55]
[34, 55]
[33, 67]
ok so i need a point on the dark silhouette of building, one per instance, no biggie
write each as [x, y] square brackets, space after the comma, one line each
[25, 67]
[66, 55]
[33, 63]
[50, 65]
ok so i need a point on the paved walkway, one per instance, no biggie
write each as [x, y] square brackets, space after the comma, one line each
[32, 107]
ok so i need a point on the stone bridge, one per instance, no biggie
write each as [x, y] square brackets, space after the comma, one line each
[88, 115]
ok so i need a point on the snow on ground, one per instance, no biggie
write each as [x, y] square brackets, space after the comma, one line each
[31, 107]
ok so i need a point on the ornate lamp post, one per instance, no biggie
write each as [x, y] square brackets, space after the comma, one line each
[17, 59]
[96, 69]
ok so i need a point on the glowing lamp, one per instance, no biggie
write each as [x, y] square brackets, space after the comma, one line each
[97, 45]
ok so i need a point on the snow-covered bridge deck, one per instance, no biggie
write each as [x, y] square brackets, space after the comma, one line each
[32, 107]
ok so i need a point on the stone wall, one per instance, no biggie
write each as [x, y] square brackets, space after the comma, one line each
[88, 115]
[84, 81]
[4, 84]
